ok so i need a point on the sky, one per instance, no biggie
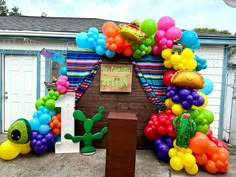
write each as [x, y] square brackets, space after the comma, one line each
[187, 14]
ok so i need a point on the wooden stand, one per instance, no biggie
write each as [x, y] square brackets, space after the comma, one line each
[121, 145]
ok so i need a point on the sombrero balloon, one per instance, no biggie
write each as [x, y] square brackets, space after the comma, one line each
[131, 32]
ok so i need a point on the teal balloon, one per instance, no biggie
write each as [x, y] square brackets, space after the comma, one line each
[63, 70]
[149, 26]
[208, 86]
[34, 123]
[44, 129]
[81, 40]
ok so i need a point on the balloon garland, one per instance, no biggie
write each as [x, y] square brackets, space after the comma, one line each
[186, 100]
[181, 133]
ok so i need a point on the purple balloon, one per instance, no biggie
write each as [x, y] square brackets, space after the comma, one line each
[200, 101]
[195, 95]
[190, 99]
[49, 136]
[169, 142]
[176, 99]
[157, 143]
[162, 153]
[186, 105]
[34, 134]
[40, 149]
[39, 137]
[33, 142]
[183, 93]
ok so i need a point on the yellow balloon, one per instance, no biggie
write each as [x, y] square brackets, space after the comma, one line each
[25, 148]
[169, 103]
[168, 64]
[175, 59]
[177, 109]
[192, 170]
[188, 160]
[188, 150]
[176, 163]
[191, 65]
[172, 152]
[9, 150]
[180, 154]
[205, 102]
[187, 53]
[166, 54]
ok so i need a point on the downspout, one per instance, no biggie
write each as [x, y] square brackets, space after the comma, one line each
[223, 87]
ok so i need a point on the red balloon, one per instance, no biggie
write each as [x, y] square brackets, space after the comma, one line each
[150, 133]
[167, 77]
[222, 144]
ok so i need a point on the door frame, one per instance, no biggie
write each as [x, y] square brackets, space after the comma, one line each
[2, 74]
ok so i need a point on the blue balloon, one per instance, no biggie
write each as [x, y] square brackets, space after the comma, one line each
[63, 70]
[189, 39]
[34, 123]
[44, 119]
[81, 40]
[100, 50]
[208, 86]
[43, 129]
[110, 53]
[52, 112]
[93, 30]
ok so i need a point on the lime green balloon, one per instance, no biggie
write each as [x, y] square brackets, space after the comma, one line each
[39, 102]
[202, 128]
[50, 104]
[51, 93]
[194, 113]
[209, 116]
[45, 98]
[149, 26]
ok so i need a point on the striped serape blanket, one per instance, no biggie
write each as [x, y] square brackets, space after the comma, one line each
[82, 67]
[150, 70]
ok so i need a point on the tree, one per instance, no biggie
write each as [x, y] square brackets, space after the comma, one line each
[3, 8]
[212, 31]
[15, 11]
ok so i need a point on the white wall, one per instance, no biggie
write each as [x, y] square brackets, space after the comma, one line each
[215, 57]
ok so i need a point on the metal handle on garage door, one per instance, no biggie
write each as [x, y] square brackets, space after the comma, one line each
[6, 97]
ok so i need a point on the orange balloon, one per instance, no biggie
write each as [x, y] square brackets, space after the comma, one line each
[56, 131]
[225, 168]
[210, 166]
[215, 157]
[219, 164]
[113, 47]
[58, 115]
[212, 149]
[110, 32]
[199, 143]
[201, 159]
[119, 40]
[109, 24]
[223, 150]
[223, 157]
[128, 52]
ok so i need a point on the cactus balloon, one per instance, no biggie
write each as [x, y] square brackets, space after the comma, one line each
[185, 129]
[88, 137]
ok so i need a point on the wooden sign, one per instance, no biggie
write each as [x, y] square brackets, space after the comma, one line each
[116, 78]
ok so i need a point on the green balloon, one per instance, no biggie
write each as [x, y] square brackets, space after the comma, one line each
[202, 128]
[51, 93]
[50, 104]
[209, 116]
[149, 26]
[39, 102]
[194, 113]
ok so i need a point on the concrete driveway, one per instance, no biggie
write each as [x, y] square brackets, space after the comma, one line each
[78, 165]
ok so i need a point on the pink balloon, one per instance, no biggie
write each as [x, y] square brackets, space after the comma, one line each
[156, 50]
[169, 43]
[159, 35]
[173, 33]
[163, 41]
[165, 23]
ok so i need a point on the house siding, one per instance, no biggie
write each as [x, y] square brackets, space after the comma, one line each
[214, 71]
